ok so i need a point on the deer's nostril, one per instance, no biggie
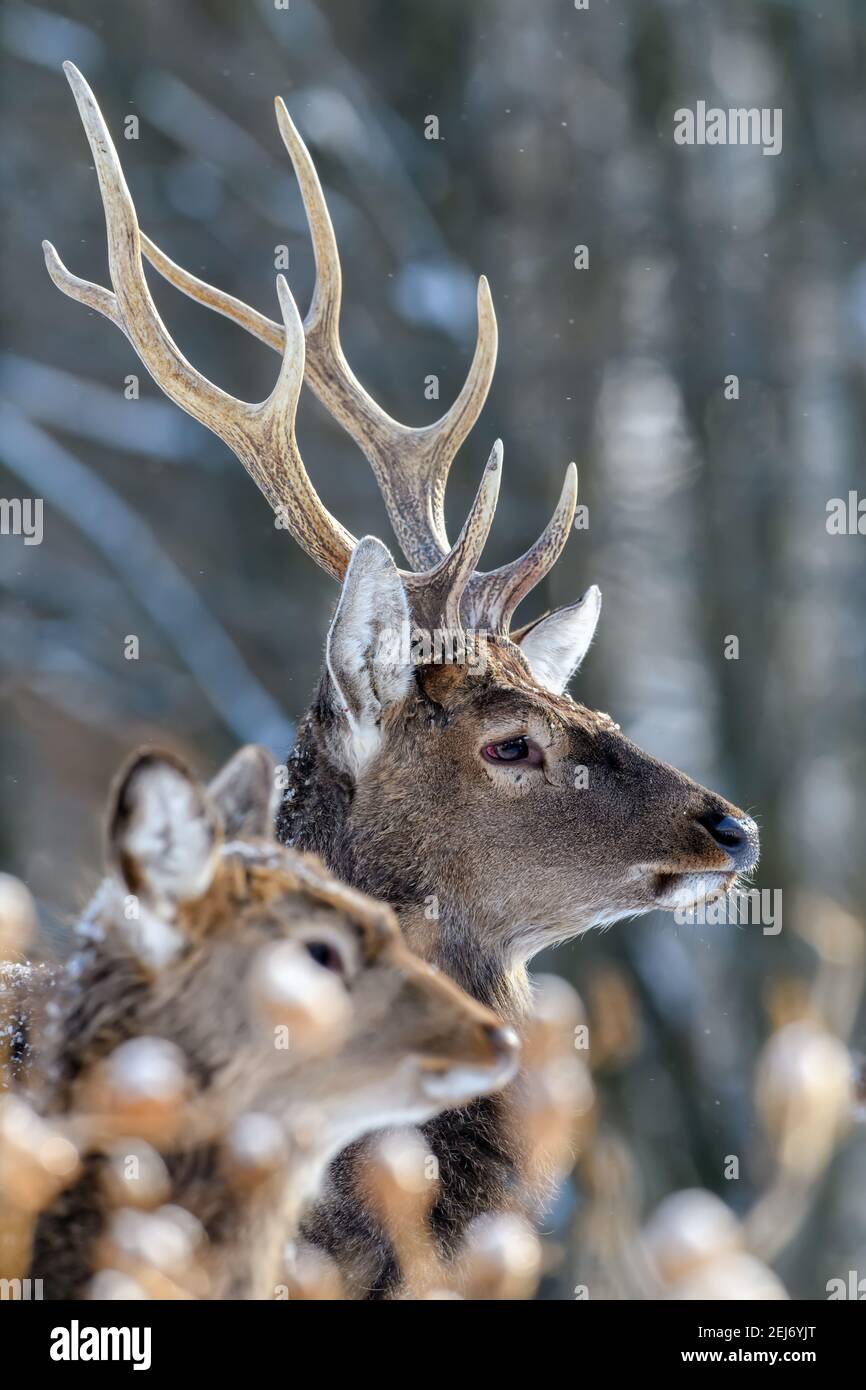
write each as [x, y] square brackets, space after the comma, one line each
[737, 835]
[725, 830]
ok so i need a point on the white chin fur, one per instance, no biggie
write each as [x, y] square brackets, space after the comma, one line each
[460, 1084]
[692, 889]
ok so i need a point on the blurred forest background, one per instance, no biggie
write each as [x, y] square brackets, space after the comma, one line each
[707, 515]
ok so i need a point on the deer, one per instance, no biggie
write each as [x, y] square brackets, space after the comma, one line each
[495, 813]
[233, 939]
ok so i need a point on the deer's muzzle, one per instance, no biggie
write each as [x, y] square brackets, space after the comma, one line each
[453, 1083]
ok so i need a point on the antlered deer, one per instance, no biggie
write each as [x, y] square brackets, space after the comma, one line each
[289, 998]
[452, 784]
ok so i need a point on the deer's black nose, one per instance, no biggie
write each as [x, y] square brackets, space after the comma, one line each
[737, 835]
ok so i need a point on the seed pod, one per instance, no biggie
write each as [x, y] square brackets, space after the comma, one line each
[108, 1285]
[557, 1012]
[256, 1148]
[37, 1158]
[141, 1088]
[804, 1094]
[18, 920]
[159, 1251]
[689, 1230]
[555, 1110]
[501, 1258]
[733, 1277]
[310, 1275]
[400, 1187]
[135, 1175]
[166, 1239]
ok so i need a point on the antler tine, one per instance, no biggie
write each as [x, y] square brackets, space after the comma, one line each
[94, 296]
[438, 592]
[259, 325]
[411, 465]
[261, 435]
[491, 598]
[309, 521]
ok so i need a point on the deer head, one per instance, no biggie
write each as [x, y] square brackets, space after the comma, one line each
[240, 1010]
[207, 932]
[496, 813]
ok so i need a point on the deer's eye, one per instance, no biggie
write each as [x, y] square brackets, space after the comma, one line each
[326, 955]
[513, 750]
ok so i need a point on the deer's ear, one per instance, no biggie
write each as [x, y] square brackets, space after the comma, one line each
[245, 794]
[556, 645]
[367, 651]
[164, 830]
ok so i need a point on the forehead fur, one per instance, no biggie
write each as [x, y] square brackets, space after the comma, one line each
[257, 874]
[505, 688]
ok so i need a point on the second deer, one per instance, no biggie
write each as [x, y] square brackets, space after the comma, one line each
[241, 1016]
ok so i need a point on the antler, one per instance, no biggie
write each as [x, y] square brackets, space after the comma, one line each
[411, 465]
[263, 435]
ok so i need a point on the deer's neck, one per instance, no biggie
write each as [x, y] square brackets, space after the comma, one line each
[450, 941]
[479, 1155]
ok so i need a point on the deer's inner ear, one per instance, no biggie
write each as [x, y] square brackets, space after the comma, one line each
[556, 645]
[368, 651]
[245, 794]
[164, 830]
